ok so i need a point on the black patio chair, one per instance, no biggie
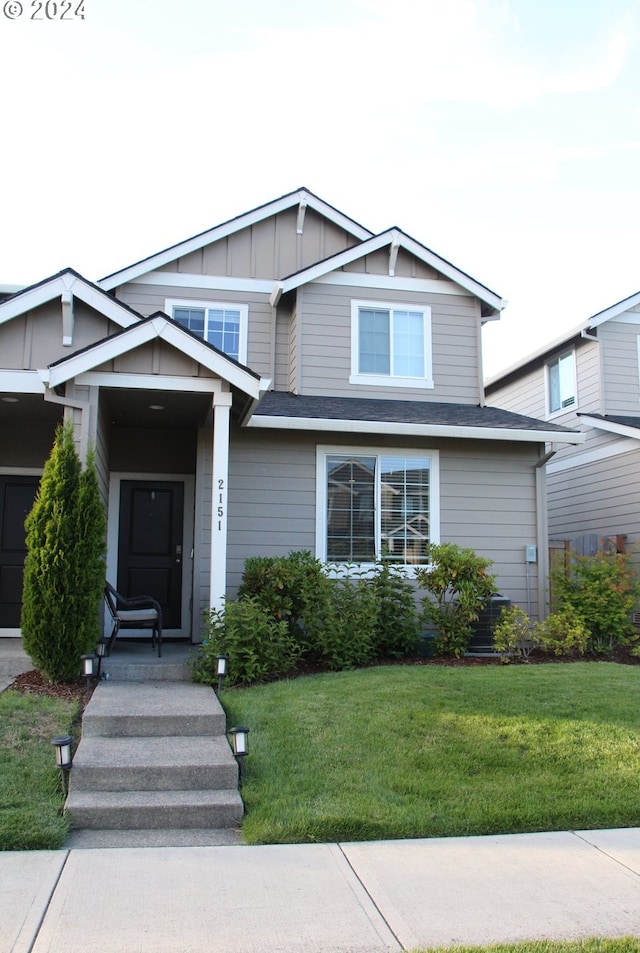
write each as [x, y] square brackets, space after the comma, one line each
[133, 612]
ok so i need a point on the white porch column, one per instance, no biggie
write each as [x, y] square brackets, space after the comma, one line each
[219, 499]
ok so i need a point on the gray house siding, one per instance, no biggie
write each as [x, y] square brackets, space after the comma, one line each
[324, 324]
[621, 375]
[268, 249]
[602, 496]
[487, 497]
[147, 299]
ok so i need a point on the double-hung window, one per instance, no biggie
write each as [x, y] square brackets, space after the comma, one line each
[223, 325]
[561, 375]
[376, 505]
[390, 345]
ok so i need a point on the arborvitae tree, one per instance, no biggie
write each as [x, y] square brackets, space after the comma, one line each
[64, 567]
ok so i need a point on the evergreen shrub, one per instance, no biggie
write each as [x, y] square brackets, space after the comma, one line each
[64, 567]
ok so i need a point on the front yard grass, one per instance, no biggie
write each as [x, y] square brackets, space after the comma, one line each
[31, 796]
[431, 751]
[595, 945]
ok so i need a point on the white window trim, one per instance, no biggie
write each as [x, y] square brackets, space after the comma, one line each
[547, 377]
[322, 452]
[390, 380]
[638, 352]
[171, 303]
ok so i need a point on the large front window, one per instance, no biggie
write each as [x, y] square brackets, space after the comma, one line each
[376, 506]
[223, 325]
[391, 344]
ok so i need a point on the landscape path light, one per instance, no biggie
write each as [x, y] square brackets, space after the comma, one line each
[101, 652]
[221, 670]
[62, 744]
[240, 745]
[87, 667]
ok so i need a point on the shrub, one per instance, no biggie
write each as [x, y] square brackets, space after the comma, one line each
[603, 591]
[283, 585]
[398, 626]
[512, 634]
[459, 587]
[258, 646]
[340, 623]
[64, 566]
[562, 633]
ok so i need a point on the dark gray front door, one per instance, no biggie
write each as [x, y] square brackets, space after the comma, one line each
[16, 500]
[150, 544]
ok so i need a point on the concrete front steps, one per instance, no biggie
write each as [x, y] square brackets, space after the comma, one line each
[153, 768]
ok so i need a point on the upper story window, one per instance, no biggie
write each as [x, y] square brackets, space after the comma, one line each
[561, 374]
[390, 345]
[223, 325]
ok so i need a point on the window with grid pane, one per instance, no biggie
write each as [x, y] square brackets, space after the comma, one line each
[377, 507]
[224, 327]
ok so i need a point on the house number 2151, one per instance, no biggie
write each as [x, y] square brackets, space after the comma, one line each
[220, 503]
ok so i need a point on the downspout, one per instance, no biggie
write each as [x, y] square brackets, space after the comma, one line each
[542, 530]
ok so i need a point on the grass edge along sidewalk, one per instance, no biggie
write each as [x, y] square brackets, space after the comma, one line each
[593, 945]
[428, 751]
[31, 797]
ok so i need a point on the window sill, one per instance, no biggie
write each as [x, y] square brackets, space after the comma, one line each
[373, 380]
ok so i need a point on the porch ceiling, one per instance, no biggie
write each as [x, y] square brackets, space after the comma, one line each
[28, 407]
[135, 408]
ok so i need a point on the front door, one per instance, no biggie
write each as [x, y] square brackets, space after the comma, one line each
[17, 494]
[150, 556]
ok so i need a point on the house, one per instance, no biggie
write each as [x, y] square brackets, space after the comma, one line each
[287, 380]
[588, 380]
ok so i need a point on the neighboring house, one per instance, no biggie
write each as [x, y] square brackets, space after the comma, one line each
[589, 380]
[284, 381]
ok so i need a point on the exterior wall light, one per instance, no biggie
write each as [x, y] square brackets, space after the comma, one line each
[62, 744]
[222, 670]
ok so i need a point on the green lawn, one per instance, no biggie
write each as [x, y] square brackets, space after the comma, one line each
[624, 945]
[428, 751]
[30, 786]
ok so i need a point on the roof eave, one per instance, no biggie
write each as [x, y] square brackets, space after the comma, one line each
[278, 422]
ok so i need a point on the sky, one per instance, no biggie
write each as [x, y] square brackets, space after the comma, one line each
[502, 134]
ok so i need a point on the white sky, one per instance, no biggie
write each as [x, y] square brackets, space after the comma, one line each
[502, 134]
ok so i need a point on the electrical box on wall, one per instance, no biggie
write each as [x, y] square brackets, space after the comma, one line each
[531, 554]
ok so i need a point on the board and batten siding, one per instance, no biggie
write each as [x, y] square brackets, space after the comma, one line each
[324, 325]
[269, 249]
[487, 493]
[34, 340]
[147, 299]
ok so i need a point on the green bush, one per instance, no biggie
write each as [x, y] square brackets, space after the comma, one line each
[603, 590]
[283, 585]
[512, 634]
[340, 623]
[64, 567]
[259, 647]
[459, 586]
[562, 633]
[398, 626]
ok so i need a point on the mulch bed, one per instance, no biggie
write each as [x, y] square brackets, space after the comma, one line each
[34, 683]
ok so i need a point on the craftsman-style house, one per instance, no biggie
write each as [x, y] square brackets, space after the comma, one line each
[287, 380]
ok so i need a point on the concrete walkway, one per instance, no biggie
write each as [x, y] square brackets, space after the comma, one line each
[325, 898]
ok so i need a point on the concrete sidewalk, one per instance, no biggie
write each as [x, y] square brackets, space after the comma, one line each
[326, 898]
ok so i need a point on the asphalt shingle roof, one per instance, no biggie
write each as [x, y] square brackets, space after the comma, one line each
[284, 404]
